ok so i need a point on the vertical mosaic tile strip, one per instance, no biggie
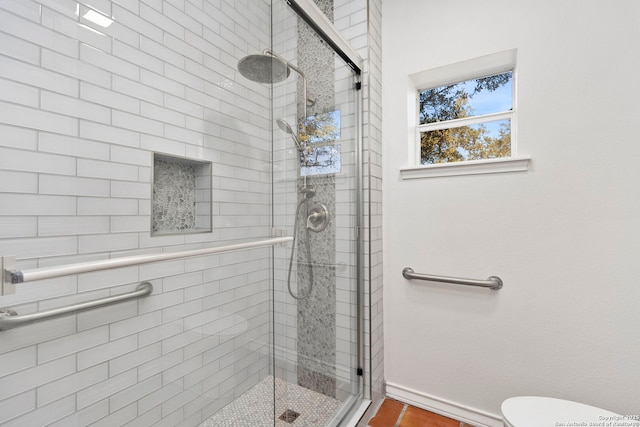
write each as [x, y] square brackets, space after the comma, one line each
[181, 196]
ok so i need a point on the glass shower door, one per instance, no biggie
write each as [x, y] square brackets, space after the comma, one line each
[316, 198]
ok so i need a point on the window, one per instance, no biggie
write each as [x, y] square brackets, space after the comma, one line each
[468, 120]
[462, 119]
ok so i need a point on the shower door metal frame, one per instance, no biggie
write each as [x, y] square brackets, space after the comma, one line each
[316, 19]
[312, 14]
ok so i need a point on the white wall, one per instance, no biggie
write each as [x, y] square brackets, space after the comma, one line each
[564, 236]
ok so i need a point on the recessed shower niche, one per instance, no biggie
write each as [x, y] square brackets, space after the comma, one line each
[181, 196]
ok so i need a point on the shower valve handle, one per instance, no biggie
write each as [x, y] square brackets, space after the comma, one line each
[318, 217]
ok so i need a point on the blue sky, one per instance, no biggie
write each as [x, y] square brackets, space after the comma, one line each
[485, 102]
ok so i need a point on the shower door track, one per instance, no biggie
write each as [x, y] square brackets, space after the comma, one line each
[312, 14]
[11, 277]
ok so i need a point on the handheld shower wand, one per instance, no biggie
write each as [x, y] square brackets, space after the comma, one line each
[286, 128]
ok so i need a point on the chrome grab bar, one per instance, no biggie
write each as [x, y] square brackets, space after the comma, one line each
[493, 282]
[16, 276]
[9, 319]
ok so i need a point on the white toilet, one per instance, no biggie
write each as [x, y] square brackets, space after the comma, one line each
[534, 411]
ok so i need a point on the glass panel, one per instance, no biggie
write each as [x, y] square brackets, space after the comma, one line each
[88, 97]
[475, 97]
[315, 295]
[90, 91]
[487, 140]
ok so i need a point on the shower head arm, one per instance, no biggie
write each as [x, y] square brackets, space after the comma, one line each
[297, 70]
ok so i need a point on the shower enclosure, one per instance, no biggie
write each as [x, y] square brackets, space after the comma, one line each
[180, 236]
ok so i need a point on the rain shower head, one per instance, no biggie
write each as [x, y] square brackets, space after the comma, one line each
[269, 67]
[286, 128]
[264, 68]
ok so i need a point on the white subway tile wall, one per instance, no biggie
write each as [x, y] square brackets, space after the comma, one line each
[373, 196]
[360, 22]
[83, 109]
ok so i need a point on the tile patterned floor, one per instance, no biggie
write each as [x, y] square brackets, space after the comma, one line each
[397, 414]
[255, 407]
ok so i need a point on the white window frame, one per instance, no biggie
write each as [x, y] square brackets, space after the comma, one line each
[483, 66]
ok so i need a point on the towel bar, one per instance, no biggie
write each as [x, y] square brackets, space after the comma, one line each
[10, 276]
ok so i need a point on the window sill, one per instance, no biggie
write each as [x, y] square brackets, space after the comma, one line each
[473, 167]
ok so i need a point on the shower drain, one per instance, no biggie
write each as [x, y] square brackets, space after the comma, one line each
[289, 416]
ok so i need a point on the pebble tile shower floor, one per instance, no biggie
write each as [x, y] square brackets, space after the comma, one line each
[255, 407]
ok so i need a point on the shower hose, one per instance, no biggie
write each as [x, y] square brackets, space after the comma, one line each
[293, 248]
